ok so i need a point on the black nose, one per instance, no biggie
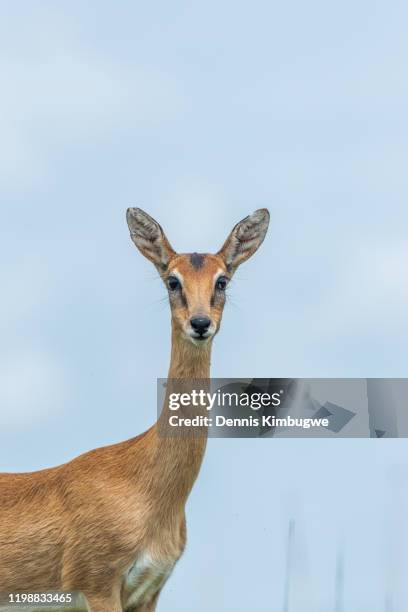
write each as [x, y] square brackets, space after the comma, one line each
[200, 324]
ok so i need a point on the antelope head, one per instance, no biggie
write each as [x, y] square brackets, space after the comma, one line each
[196, 282]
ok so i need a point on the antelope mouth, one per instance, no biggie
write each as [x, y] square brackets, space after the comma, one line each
[200, 339]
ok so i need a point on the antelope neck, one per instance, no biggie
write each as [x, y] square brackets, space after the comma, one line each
[189, 361]
[177, 460]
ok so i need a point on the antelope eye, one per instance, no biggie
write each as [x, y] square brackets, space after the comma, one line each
[221, 283]
[173, 283]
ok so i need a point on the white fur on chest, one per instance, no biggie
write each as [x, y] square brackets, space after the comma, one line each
[145, 577]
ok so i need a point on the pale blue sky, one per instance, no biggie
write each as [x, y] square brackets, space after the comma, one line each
[201, 113]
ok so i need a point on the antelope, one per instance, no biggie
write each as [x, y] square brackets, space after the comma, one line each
[111, 522]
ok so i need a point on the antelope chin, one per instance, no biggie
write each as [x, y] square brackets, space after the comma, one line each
[198, 340]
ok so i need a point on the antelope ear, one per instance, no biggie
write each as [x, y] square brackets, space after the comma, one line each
[246, 237]
[149, 238]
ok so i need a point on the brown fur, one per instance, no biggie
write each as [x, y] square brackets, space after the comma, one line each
[80, 526]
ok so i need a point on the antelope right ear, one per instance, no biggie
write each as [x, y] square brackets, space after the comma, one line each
[149, 238]
[245, 238]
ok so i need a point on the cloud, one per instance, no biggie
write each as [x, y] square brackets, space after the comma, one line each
[24, 289]
[61, 91]
[31, 381]
[31, 388]
[367, 291]
[199, 218]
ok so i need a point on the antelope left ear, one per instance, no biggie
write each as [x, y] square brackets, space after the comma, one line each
[246, 237]
[149, 238]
